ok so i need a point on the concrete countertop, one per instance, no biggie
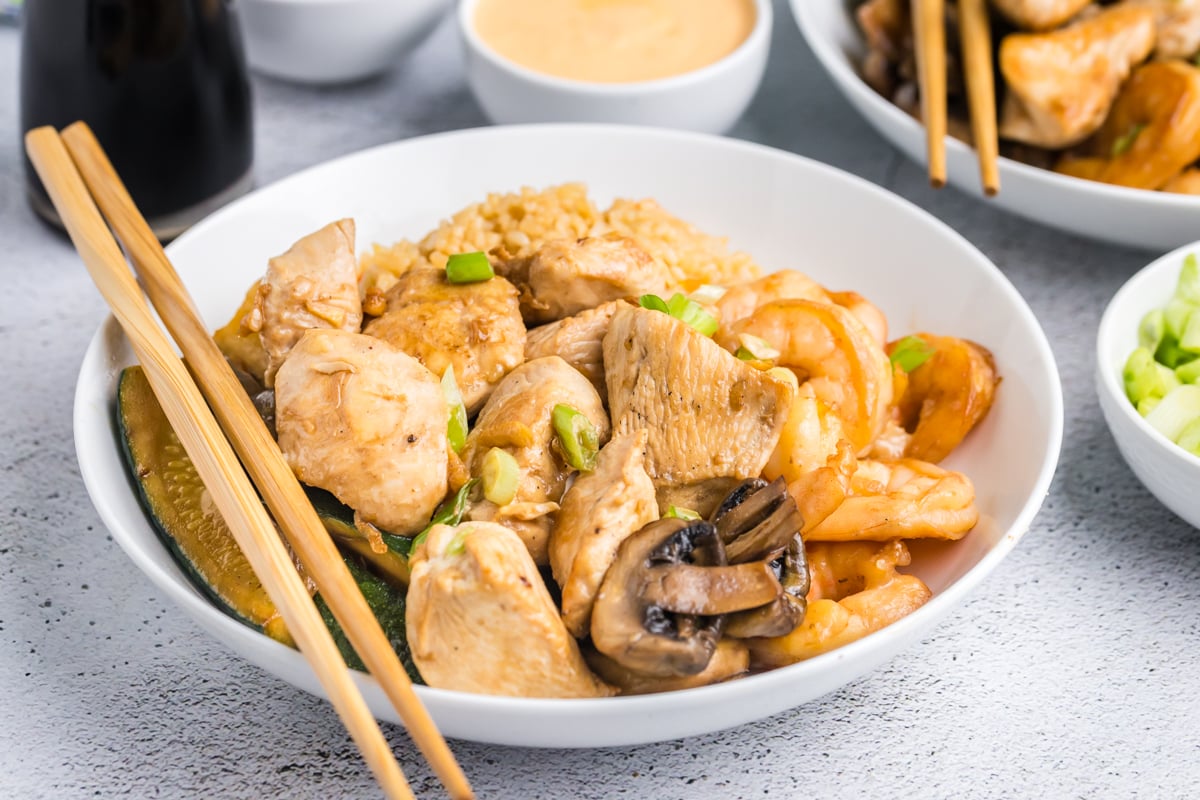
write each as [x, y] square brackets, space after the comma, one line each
[1070, 672]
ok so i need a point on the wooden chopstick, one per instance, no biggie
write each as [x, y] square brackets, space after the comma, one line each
[260, 454]
[204, 443]
[981, 89]
[929, 38]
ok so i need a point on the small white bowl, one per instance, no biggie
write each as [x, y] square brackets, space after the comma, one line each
[1171, 473]
[333, 41]
[708, 100]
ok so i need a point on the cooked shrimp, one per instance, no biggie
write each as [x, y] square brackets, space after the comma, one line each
[744, 299]
[906, 498]
[855, 590]
[946, 396]
[1152, 132]
[1186, 182]
[833, 353]
[866, 311]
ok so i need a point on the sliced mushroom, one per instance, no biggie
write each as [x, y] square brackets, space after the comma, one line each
[639, 634]
[730, 660]
[785, 613]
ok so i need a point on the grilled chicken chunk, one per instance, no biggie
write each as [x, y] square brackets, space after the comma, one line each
[1039, 15]
[1178, 24]
[599, 511]
[474, 327]
[576, 340]
[313, 285]
[517, 419]
[1062, 84]
[707, 414]
[480, 619]
[365, 421]
[566, 277]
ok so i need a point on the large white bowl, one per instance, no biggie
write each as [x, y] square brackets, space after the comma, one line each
[1171, 473]
[333, 41]
[1134, 217]
[708, 100]
[786, 211]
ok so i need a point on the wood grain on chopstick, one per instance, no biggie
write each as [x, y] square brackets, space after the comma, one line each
[207, 447]
[261, 455]
[981, 89]
[929, 36]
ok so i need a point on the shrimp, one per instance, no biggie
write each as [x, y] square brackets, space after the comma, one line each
[834, 354]
[866, 311]
[1152, 132]
[906, 498]
[944, 398]
[744, 299]
[855, 590]
[1186, 182]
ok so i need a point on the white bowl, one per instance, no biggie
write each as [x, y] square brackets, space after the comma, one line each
[709, 99]
[333, 41]
[1133, 217]
[786, 211]
[1171, 473]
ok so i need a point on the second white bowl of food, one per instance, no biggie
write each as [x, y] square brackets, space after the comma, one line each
[1153, 220]
[780, 210]
[333, 41]
[673, 64]
[1170, 472]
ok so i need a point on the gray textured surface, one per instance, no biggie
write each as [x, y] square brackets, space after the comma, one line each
[1071, 672]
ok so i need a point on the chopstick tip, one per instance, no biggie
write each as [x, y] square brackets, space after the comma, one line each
[936, 182]
[991, 190]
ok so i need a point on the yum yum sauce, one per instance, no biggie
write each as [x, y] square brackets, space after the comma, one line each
[614, 41]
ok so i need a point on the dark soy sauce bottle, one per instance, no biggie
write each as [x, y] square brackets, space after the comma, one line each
[163, 85]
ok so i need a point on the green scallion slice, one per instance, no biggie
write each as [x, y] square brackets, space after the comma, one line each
[684, 309]
[1152, 329]
[576, 437]
[1144, 377]
[1177, 410]
[469, 268]
[1189, 372]
[1188, 286]
[500, 475]
[653, 302]
[459, 543]
[708, 293]
[1125, 141]
[911, 352]
[756, 349]
[448, 513]
[456, 428]
[679, 512]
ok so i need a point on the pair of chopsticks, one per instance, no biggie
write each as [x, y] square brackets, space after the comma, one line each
[78, 175]
[929, 32]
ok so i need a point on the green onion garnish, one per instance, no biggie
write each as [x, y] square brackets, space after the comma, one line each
[500, 476]
[459, 543]
[684, 309]
[456, 428]
[679, 512]
[911, 352]
[1188, 286]
[708, 293]
[755, 349]
[448, 513]
[576, 437]
[469, 268]
[1145, 378]
[1152, 329]
[1125, 141]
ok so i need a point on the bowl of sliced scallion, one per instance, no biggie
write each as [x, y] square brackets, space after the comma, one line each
[1148, 377]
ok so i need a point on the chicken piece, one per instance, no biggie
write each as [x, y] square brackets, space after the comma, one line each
[1039, 15]
[240, 345]
[576, 340]
[367, 422]
[599, 511]
[1152, 132]
[1062, 84]
[1186, 182]
[481, 620]
[1178, 24]
[474, 327]
[565, 277]
[313, 285]
[517, 418]
[708, 415]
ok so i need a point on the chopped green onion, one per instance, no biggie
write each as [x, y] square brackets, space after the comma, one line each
[679, 512]
[576, 436]
[1175, 316]
[469, 268]
[1152, 329]
[911, 352]
[1189, 372]
[1144, 377]
[1125, 141]
[456, 428]
[459, 543]
[500, 476]
[1171, 355]
[756, 349]
[1188, 287]
[683, 309]
[1148, 404]
[448, 513]
[1177, 410]
[708, 293]
[1189, 437]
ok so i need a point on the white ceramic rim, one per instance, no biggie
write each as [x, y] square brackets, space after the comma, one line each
[872, 649]
[1108, 333]
[759, 36]
[837, 64]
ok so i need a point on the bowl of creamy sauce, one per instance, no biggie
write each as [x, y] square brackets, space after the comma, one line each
[691, 64]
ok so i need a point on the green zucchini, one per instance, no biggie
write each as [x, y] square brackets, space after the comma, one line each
[391, 564]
